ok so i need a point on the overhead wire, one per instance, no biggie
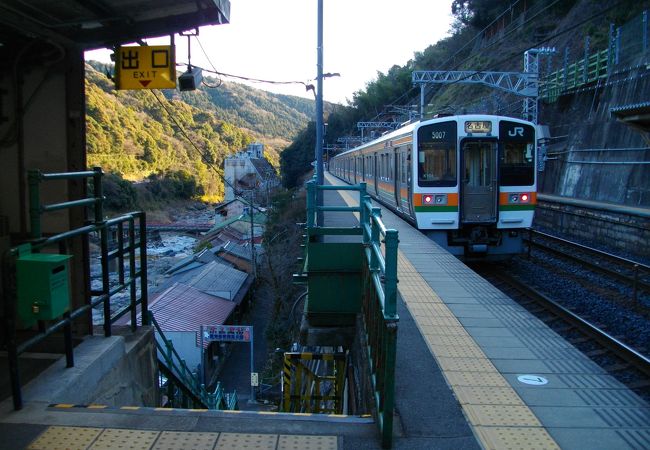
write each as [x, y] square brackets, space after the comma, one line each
[537, 44]
[202, 152]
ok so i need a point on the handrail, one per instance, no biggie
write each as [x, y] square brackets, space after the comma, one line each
[171, 359]
[103, 296]
[380, 297]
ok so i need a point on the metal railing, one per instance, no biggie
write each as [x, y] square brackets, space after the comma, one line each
[585, 71]
[135, 250]
[626, 43]
[182, 380]
[379, 303]
[313, 382]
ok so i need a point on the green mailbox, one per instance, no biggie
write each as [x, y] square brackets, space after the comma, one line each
[42, 286]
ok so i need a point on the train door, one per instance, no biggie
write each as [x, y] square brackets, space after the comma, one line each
[397, 178]
[409, 183]
[376, 172]
[479, 193]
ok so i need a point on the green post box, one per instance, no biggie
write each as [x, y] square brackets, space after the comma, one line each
[42, 286]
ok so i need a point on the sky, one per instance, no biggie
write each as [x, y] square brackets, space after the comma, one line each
[277, 39]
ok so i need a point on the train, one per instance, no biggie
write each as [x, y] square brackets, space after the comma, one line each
[469, 182]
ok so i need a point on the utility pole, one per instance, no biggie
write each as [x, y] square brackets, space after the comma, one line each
[319, 115]
[250, 209]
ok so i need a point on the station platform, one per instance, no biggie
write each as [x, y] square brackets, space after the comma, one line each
[518, 383]
[474, 370]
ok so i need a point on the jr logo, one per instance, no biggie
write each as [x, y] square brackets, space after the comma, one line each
[516, 131]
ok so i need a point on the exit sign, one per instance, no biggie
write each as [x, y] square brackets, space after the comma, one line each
[146, 67]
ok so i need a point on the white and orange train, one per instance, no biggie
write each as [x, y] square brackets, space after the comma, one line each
[468, 182]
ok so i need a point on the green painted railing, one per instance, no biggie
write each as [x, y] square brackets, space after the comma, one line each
[131, 243]
[585, 71]
[191, 389]
[379, 291]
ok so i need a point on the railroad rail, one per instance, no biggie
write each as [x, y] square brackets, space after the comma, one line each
[632, 273]
[525, 295]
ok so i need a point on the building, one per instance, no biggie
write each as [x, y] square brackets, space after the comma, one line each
[249, 170]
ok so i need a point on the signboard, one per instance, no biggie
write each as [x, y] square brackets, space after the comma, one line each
[255, 381]
[145, 67]
[227, 333]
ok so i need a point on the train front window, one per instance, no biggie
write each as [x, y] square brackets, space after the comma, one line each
[516, 154]
[437, 154]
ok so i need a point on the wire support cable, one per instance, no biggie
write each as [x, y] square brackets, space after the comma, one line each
[592, 150]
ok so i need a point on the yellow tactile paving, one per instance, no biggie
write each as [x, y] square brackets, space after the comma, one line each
[172, 440]
[479, 395]
[112, 439]
[71, 438]
[494, 410]
[245, 441]
[480, 379]
[501, 415]
[515, 438]
[485, 396]
[293, 442]
[82, 438]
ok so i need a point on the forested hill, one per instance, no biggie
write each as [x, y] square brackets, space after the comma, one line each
[184, 137]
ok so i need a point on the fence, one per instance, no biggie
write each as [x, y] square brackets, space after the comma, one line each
[379, 291]
[134, 250]
[626, 43]
[183, 388]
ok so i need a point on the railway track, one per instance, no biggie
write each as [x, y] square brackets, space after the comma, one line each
[630, 273]
[589, 334]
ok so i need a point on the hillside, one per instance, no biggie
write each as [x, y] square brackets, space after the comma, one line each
[487, 35]
[145, 135]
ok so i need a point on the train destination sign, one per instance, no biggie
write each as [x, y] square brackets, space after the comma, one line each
[145, 67]
[478, 126]
[227, 333]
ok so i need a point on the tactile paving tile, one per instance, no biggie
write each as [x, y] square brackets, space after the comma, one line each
[445, 331]
[70, 438]
[466, 364]
[478, 395]
[172, 440]
[246, 441]
[298, 442]
[452, 341]
[610, 397]
[515, 438]
[457, 351]
[112, 439]
[501, 415]
[482, 379]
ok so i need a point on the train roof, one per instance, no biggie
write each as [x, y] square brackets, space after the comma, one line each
[412, 126]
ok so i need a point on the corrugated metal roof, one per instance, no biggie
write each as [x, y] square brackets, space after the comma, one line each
[184, 308]
[215, 278]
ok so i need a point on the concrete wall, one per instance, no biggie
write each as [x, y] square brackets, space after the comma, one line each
[134, 379]
[120, 370]
[618, 231]
[584, 117]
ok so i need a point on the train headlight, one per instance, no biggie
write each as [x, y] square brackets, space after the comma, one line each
[427, 199]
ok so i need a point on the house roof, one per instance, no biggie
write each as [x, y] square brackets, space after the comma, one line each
[184, 308]
[263, 168]
[217, 278]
